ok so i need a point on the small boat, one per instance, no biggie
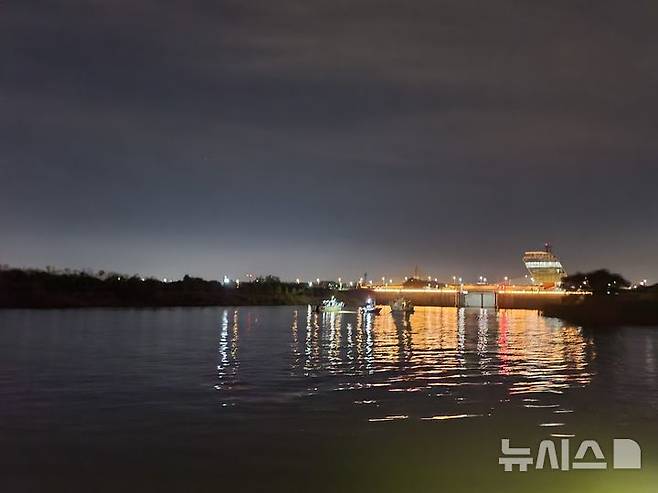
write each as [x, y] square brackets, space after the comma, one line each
[371, 307]
[331, 305]
[401, 305]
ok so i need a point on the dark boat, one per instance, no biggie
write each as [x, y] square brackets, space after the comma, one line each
[402, 305]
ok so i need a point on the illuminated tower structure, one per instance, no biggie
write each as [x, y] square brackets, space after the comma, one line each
[544, 267]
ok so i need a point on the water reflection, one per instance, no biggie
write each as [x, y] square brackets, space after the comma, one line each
[473, 359]
[229, 338]
[311, 344]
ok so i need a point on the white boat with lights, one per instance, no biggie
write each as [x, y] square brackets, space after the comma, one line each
[371, 307]
[332, 305]
[401, 305]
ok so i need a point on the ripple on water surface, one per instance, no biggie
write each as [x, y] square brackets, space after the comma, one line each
[438, 364]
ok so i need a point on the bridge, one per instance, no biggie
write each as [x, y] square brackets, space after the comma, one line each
[476, 295]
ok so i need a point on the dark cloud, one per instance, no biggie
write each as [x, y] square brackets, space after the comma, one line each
[323, 137]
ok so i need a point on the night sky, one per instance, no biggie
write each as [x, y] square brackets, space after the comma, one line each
[328, 138]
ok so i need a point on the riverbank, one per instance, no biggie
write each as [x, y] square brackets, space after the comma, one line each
[625, 308]
[39, 289]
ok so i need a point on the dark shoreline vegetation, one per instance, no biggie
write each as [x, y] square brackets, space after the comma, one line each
[41, 289]
[614, 301]
[611, 303]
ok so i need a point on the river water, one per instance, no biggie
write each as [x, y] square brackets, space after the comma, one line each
[283, 399]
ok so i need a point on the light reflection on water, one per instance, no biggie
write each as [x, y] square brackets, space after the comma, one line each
[382, 403]
[437, 364]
